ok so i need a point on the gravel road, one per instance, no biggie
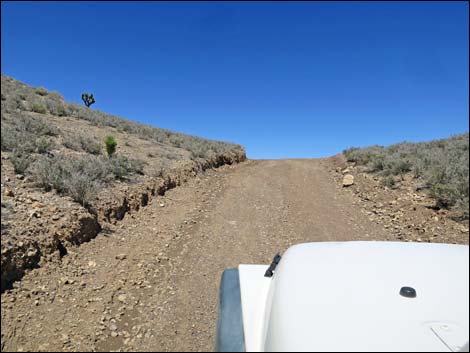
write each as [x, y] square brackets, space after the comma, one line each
[150, 282]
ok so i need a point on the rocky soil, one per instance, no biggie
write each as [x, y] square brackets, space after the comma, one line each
[410, 215]
[149, 282]
[39, 226]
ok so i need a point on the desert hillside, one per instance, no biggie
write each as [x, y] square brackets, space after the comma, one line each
[58, 182]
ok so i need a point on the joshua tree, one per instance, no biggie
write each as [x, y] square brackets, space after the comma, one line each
[88, 99]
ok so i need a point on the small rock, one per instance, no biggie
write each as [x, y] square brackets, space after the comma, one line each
[91, 264]
[121, 257]
[348, 180]
[31, 253]
[9, 192]
[122, 298]
[55, 217]
[114, 334]
[162, 205]
[345, 171]
[37, 204]
[113, 327]
[20, 176]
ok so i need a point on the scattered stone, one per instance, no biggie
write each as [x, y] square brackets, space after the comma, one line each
[31, 253]
[20, 176]
[91, 264]
[348, 180]
[37, 205]
[9, 192]
[113, 327]
[122, 298]
[162, 205]
[121, 257]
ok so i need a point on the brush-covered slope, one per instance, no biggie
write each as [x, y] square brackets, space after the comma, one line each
[439, 167]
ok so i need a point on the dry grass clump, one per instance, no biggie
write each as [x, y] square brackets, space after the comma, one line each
[441, 166]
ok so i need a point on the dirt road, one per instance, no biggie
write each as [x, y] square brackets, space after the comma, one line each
[150, 283]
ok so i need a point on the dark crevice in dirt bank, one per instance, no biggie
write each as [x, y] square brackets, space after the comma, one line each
[85, 225]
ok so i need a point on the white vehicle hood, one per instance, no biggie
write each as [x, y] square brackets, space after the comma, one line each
[345, 296]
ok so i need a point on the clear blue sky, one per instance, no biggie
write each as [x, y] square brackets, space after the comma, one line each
[284, 79]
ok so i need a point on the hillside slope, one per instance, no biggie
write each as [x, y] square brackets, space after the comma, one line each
[58, 183]
[438, 167]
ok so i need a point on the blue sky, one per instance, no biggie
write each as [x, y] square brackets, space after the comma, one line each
[284, 79]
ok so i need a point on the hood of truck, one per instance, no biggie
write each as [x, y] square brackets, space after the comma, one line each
[348, 296]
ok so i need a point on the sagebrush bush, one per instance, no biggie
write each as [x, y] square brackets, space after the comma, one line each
[389, 181]
[39, 108]
[82, 143]
[21, 161]
[41, 91]
[43, 144]
[441, 166]
[89, 145]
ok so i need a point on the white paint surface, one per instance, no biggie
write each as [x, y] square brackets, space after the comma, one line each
[344, 296]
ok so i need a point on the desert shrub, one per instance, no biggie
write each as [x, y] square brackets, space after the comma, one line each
[110, 143]
[56, 108]
[89, 145]
[41, 91]
[72, 143]
[122, 166]
[43, 144]
[389, 181]
[8, 138]
[39, 108]
[81, 188]
[21, 161]
[82, 143]
[35, 125]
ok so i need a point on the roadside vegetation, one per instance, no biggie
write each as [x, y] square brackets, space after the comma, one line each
[440, 167]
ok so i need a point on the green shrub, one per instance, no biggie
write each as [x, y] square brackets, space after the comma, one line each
[389, 181]
[41, 91]
[110, 143]
[43, 144]
[38, 108]
[21, 161]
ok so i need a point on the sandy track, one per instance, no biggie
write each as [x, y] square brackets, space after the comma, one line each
[151, 282]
